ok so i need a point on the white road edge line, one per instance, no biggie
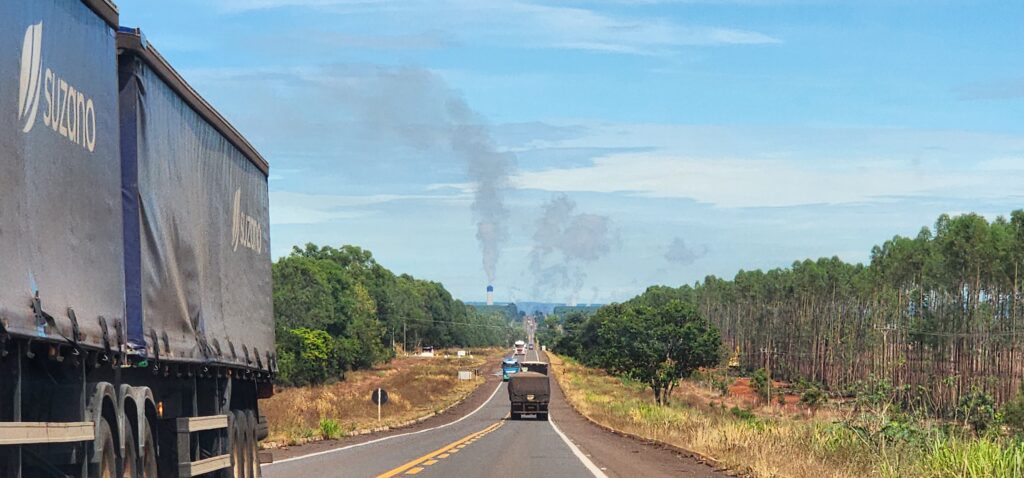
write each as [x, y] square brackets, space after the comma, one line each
[357, 445]
[594, 470]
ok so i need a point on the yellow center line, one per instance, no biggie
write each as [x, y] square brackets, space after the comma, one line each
[449, 448]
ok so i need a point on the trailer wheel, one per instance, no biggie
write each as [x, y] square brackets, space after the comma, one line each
[107, 467]
[251, 444]
[129, 462]
[149, 467]
[238, 445]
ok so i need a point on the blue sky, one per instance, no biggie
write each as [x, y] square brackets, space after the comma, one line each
[690, 137]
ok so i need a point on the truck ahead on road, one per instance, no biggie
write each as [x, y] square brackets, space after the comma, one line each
[520, 347]
[529, 394]
[539, 367]
[509, 367]
[136, 327]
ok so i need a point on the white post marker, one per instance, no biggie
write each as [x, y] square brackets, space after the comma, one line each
[380, 397]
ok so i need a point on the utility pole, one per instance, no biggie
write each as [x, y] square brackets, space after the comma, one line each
[767, 351]
[769, 374]
[405, 345]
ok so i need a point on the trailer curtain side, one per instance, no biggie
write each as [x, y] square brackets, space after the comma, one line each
[60, 211]
[196, 212]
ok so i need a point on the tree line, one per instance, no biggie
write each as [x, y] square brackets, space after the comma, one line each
[656, 338]
[337, 309]
[937, 316]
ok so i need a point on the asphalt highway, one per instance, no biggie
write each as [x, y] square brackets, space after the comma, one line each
[483, 443]
[479, 441]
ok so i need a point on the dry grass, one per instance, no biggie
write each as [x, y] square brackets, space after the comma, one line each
[416, 387]
[747, 445]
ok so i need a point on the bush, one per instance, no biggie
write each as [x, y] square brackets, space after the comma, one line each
[977, 409]
[742, 414]
[1013, 414]
[874, 395]
[329, 429]
[813, 398]
[307, 357]
[761, 383]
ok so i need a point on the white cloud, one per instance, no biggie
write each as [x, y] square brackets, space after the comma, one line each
[248, 5]
[1007, 163]
[281, 214]
[768, 166]
[731, 182]
[534, 25]
[301, 208]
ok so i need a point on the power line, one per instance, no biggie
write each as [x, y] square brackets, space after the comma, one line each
[441, 322]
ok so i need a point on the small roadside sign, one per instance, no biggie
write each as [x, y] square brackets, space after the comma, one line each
[380, 397]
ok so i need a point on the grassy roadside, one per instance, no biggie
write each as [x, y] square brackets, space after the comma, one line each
[417, 387]
[749, 444]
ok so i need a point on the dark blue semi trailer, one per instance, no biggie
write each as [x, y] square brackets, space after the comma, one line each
[136, 328]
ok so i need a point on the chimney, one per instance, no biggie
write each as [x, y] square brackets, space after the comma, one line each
[490, 295]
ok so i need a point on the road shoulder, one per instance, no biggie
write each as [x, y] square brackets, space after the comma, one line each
[473, 401]
[621, 456]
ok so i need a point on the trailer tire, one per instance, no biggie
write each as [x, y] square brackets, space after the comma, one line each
[251, 444]
[107, 466]
[129, 460]
[237, 443]
[148, 467]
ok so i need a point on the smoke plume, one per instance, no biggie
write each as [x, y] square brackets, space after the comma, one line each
[423, 112]
[679, 253]
[564, 243]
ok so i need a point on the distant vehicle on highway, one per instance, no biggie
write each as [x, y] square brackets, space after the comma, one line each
[520, 347]
[509, 366]
[530, 346]
[529, 394]
[428, 351]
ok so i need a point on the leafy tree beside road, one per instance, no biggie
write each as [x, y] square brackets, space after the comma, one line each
[656, 338]
[337, 309]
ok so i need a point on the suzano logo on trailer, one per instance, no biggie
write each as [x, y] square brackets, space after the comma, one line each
[68, 110]
[246, 231]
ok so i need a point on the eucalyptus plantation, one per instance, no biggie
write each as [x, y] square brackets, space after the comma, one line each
[937, 315]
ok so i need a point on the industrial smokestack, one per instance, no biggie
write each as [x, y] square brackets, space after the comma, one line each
[490, 295]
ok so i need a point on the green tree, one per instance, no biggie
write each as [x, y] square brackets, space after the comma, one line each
[308, 356]
[651, 339]
[344, 294]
